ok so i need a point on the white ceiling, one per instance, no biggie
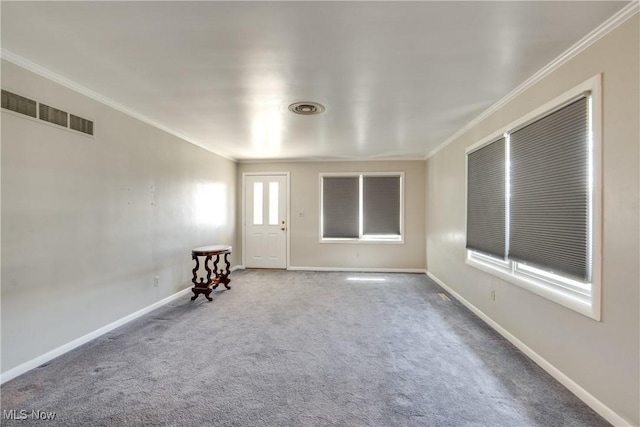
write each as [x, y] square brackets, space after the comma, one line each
[397, 79]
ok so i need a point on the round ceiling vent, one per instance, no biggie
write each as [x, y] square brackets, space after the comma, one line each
[306, 108]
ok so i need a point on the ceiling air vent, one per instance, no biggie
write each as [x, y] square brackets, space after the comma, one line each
[53, 115]
[306, 108]
[19, 104]
[81, 125]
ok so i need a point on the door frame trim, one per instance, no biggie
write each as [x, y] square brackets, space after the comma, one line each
[287, 176]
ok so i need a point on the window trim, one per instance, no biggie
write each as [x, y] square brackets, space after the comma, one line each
[369, 238]
[584, 299]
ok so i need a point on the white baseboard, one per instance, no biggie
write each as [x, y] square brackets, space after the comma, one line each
[237, 267]
[595, 404]
[361, 270]
[50, 355]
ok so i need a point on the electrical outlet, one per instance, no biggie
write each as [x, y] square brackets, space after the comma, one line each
[156, 281]
[493, 295]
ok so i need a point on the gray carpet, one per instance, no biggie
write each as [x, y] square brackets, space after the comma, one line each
[301, 349]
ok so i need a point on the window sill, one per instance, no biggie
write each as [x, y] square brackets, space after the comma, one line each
[587, 305]
[369, 241]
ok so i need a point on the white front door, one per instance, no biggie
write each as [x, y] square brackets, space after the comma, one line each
[265, 221]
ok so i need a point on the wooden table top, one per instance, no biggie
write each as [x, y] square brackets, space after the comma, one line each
[212, 250]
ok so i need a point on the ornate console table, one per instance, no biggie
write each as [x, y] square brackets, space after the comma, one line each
[222, 276]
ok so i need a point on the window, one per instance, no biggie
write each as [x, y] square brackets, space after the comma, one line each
[533, 202]
[486, 187]
[361, 207]
[257, 203]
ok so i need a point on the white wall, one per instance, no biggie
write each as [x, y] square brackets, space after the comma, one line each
[601, 357]
[306, 251]
[87, 223]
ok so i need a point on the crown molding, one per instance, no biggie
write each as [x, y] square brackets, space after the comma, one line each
[330, 160]
[57, 78]
[603, 29]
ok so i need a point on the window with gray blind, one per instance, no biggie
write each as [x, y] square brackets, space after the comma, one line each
[486, 199]
[340, 207]
[549, 204]
[381, 205]
[362, 206]
[546, 224]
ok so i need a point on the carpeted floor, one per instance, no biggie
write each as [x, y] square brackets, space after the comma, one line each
[301, 349]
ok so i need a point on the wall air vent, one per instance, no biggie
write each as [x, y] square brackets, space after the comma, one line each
[19, 104]
[38, 110]
[53, 115]
[81, 125]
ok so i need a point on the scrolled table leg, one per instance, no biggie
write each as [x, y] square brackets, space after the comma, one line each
[206, 267]
[199, 285]
[216, 281]
[195, 277]
[224, 274]
[195, 270]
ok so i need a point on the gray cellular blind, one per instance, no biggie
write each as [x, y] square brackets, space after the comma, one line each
[340, 207]
[381, 205]
[486, 199]
[549, 206]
